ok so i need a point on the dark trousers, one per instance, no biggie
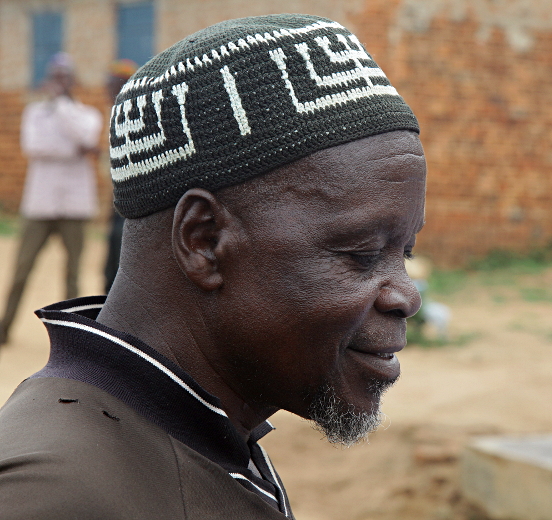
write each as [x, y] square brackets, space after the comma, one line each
[35, 234]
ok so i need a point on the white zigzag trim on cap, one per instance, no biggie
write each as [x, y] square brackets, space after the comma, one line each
[129, 129]
[240, 45]
[129, 126]
[338, 78]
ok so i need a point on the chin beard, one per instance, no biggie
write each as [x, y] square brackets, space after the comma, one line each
[339, 421]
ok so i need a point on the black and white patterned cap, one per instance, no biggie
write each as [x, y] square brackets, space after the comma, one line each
[239, 99]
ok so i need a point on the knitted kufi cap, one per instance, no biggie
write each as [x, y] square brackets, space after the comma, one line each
[239, 99]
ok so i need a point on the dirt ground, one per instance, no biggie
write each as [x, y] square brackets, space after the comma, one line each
[494, 378]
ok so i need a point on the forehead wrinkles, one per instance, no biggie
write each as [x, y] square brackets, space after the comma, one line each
[333, 172]
[332, 176]
[332, 181]
[399, 168]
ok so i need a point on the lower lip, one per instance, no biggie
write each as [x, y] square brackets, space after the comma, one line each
[383, 367]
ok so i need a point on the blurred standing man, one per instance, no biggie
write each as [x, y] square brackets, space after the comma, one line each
[57, 135]
[119, 72]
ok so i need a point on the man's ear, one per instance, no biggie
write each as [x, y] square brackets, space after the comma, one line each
[201, 234]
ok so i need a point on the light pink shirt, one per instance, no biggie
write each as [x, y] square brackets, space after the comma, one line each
[60, 180]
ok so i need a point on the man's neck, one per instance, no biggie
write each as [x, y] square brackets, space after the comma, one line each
[169, 325]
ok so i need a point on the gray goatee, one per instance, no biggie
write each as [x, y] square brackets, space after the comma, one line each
[339, 421]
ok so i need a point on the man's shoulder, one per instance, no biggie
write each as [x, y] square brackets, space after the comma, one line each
[76, 412]
[82, 453]
[76, 449]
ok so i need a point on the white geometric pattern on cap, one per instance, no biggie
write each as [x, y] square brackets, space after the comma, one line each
[348, 56]
[360, 71]
[133, 169]
[134, 126]
[235, 101]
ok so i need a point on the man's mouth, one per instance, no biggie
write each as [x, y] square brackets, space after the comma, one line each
[381, 352]
[382, 363]
[385, 355]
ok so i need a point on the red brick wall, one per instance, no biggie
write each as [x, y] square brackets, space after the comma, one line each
[12, 164]
[486, 116]
[485, 112]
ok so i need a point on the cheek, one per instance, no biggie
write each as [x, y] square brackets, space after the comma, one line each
[331, 290]
[287, 321]
[297, 301]
[315, 307]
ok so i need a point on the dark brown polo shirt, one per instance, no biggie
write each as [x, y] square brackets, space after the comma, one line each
[110, 429]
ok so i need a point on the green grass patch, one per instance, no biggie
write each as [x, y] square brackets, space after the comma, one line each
[502, 277]
[9, 225]
[415, 336]
[443, 282]
[498, 269]
[532, 262]
[536, 294]
[499, 299]
[530, 326]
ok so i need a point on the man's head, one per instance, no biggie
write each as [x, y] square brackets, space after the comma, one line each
[287, 233]
[120, 72]
[312, 309]
[60, 78]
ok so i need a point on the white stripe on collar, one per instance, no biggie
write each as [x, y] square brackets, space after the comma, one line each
[79, 308]
[141, 354]
[241, 477]
[275, 477]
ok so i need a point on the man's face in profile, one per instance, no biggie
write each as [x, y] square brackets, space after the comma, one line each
[317, 299]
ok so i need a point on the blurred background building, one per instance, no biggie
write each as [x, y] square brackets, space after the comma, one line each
[478, 74]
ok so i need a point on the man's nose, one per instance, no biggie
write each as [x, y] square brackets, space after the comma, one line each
[399, 297]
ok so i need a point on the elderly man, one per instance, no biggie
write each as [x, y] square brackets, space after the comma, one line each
[273, 182]
[57, 135]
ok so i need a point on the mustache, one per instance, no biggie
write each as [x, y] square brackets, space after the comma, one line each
[367, 342]
[360, 340]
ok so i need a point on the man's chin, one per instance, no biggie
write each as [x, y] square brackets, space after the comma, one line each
[340, 421]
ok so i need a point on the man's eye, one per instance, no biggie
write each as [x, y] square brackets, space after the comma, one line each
[365, 258]
[409, 255]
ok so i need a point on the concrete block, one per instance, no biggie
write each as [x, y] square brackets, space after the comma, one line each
[510, 477]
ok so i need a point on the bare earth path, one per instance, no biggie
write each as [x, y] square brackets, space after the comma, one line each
[498, 382]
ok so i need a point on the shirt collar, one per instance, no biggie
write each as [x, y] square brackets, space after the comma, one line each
[120, 364]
